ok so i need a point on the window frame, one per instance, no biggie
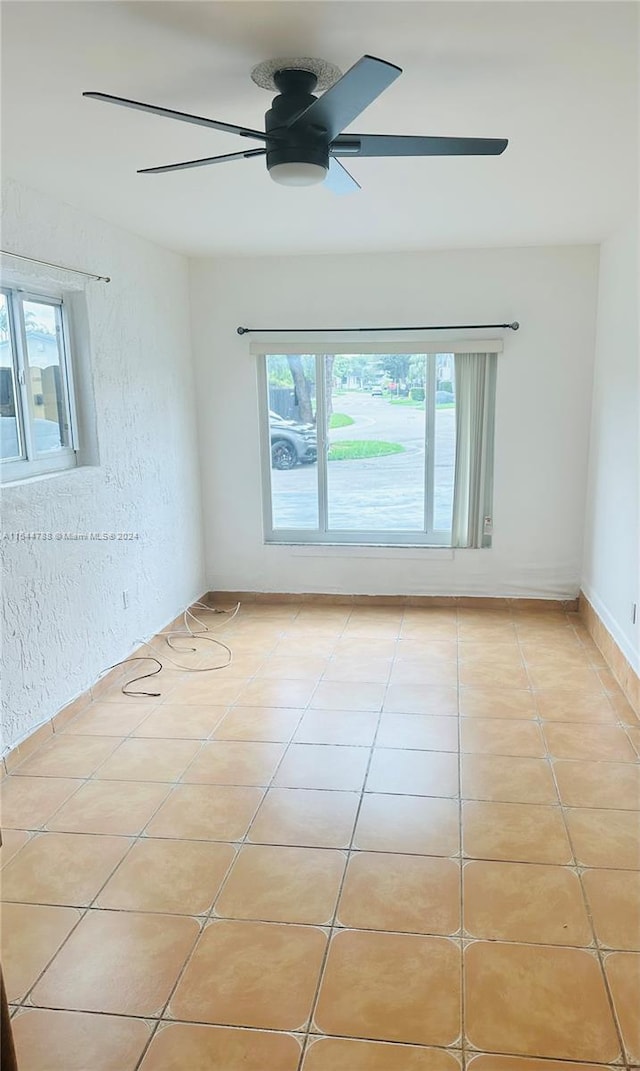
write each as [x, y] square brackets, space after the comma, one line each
[323, 535]
[31, 462]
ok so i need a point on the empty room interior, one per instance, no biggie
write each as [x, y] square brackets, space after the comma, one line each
[319, 393]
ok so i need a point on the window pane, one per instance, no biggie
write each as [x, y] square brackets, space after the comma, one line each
[9, 425]
[50, 428]
[375, 467]
[291, 389]
[445, 442]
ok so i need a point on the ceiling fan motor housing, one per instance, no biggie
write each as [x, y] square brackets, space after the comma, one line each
[308, 145]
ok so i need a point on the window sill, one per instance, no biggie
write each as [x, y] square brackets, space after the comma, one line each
[38, 477]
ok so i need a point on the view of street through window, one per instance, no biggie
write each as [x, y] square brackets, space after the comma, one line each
[376, 462]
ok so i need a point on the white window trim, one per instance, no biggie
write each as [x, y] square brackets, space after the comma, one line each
[324, 537]
[15, 470]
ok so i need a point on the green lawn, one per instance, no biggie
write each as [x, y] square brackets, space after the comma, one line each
[420, 405]
[340, 420]
[355, 449]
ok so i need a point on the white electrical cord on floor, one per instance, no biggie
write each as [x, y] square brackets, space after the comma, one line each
[200, 634]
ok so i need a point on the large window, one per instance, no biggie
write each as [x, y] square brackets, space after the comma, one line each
[36, 401]
[359, 448]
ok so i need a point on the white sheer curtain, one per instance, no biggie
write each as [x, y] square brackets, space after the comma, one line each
[475, 384]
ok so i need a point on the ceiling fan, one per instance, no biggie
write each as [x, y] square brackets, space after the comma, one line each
[303, 133]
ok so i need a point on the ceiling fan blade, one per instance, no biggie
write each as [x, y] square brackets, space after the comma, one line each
[401, 145]
[197, 120]
[350, 95]
[201, 163]
[339, 180]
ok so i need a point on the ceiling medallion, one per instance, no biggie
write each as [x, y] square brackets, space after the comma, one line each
[326, 73]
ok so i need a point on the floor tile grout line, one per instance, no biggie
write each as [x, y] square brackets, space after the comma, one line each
[156, 1022]
[140, 837]
[172, 785]
[125, 736]
[122, 738]
[234, 705]
[463, 1029]
[202, 930]
[165, 1005]
[575, 863]
[244, 841]
[467, 936]
[598, 951]
[27, 995]
[86, 909]
[161, 1021]
[539, 720]
[203, 740]
[595, 948]
[206, 918]
[332, 930]
[42, 827]
[603, 954]
[636, 747]
[504, 754]
[375, 851]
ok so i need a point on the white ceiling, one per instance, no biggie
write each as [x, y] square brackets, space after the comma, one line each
[558, 79]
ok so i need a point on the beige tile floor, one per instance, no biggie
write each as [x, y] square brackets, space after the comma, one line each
[381, 840]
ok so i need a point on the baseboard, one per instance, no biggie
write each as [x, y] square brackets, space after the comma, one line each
[612, 653]
[479, 602]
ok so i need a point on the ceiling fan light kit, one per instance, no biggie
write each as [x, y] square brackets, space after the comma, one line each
[297, 173]
[303, 133]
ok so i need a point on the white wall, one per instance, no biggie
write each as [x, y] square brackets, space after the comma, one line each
[63, 615]
[612, 536]
[543, 410]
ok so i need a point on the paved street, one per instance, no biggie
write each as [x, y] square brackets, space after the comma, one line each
[378, 493]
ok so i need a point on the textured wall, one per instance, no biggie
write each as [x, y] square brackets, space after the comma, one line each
[542, 414]
[63, 614]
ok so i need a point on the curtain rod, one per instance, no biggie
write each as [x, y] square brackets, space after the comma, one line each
[340, 330]
[60, 267]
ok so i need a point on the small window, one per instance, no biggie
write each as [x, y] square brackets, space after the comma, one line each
[36, 400]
